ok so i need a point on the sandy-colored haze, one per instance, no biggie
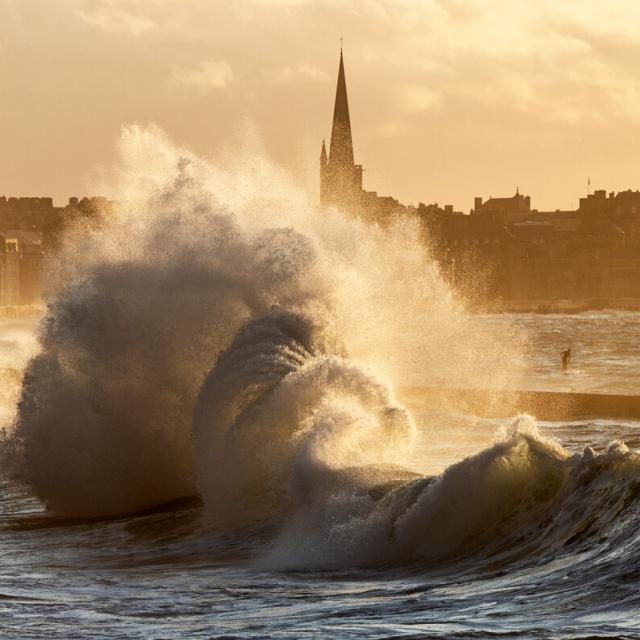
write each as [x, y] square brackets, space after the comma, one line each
[449, 98]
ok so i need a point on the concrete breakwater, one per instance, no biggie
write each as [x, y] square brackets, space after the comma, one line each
[565, 306]
[545, 405]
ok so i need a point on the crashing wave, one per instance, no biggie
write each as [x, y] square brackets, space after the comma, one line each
[281, 412]
[218, 336]
[522, 500]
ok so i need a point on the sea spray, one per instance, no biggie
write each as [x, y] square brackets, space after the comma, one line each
[17, 347]
[282, 415]
[144, 303]
[105, 416]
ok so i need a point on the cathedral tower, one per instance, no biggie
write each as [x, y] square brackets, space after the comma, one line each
[340, 177]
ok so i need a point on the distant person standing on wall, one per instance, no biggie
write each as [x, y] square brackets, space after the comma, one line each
[566, 357]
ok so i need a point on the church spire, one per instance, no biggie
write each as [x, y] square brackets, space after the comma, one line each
[341, 151]
[340, 177]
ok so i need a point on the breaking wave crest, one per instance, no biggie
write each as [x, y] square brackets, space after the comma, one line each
[524, 500]
[282, 414]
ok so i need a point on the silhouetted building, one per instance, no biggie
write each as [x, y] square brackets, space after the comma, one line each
[504, 254]
[341, 177]
[9, 271]
[29, 229]
[507, 254]
[514, 207]
[20, 267]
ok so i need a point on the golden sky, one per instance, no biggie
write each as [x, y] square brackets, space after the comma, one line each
[449, 98]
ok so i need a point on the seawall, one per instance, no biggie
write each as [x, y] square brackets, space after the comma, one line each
[566, 306]
[545, 405]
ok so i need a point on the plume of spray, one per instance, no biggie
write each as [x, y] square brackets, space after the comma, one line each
[198, 257]
[282, 416]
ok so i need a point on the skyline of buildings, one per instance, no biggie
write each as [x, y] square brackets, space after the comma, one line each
[341, 178]
[504, 254]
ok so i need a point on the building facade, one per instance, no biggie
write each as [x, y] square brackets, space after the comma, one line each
[31, 228]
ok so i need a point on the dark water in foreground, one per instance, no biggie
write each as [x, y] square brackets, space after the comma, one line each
[541, 561]
[164, 575]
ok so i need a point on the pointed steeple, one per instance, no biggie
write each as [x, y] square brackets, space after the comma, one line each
[341, 151]
[340, 177]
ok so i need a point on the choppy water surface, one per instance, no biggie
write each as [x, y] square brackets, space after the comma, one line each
[526, 539]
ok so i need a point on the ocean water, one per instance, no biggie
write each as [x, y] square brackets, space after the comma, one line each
[202, 439]
[605, 352]
[561, 561]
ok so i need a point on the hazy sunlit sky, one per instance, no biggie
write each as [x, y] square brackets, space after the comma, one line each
[449, 98]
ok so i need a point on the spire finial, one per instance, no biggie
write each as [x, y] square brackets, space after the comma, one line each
[340, 44]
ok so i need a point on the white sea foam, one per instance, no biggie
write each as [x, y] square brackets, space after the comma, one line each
[524, 499]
